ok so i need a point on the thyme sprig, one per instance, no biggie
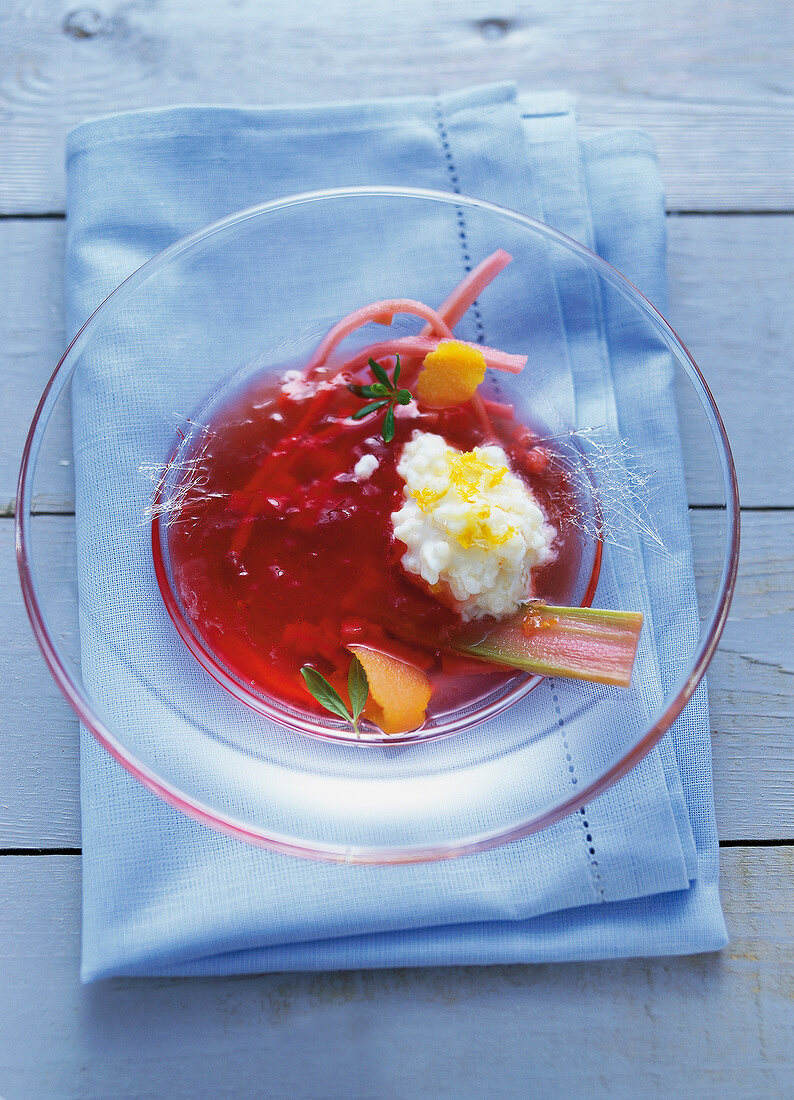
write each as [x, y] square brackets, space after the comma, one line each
[329, 698]
[387, 396]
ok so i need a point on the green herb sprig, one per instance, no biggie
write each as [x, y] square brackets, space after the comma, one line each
[329, 698]
[387, 395]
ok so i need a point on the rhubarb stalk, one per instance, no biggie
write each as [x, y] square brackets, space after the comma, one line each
[580, 643]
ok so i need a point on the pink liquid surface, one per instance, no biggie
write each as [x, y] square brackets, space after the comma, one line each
[279, 557]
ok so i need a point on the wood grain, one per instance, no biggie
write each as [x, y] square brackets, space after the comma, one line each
[715, 156]
[31, 343]
[729, 301]
[730, 282]
[752, 704]
[713, 83]
[705, 1026]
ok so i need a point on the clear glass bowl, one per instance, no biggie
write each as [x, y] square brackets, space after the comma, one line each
[181, 478]
[606, 374]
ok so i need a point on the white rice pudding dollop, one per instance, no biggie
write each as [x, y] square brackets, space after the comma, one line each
[470, 526]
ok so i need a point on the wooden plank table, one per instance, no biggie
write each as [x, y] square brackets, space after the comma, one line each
[713, 83]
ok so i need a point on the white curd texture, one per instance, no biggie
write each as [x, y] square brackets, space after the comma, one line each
[471, 528]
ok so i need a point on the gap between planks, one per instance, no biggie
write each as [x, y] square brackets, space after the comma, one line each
[670, 211]
[749, 843]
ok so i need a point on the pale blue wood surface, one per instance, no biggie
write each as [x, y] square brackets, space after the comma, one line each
[715, 86]
[712, 83]
[705, 1026]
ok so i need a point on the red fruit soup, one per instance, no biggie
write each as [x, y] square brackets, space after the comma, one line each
[273, 552]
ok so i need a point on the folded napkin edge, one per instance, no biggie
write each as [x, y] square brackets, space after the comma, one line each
[303, 113]
[198, 118]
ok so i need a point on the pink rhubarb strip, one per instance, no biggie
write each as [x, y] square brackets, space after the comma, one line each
[469, 289]
[381, 312]
[421, 345]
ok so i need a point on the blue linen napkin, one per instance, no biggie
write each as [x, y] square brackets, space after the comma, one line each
[633, 873]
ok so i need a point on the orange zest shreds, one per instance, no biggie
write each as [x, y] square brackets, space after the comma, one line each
[398, 692]
[474, 476]
[427, 498]
[450, 375]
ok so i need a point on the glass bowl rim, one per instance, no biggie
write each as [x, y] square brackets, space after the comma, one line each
[309, 724]
[76, 695]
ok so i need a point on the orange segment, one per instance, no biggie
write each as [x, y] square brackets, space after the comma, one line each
[398, 692]
[451, 374]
